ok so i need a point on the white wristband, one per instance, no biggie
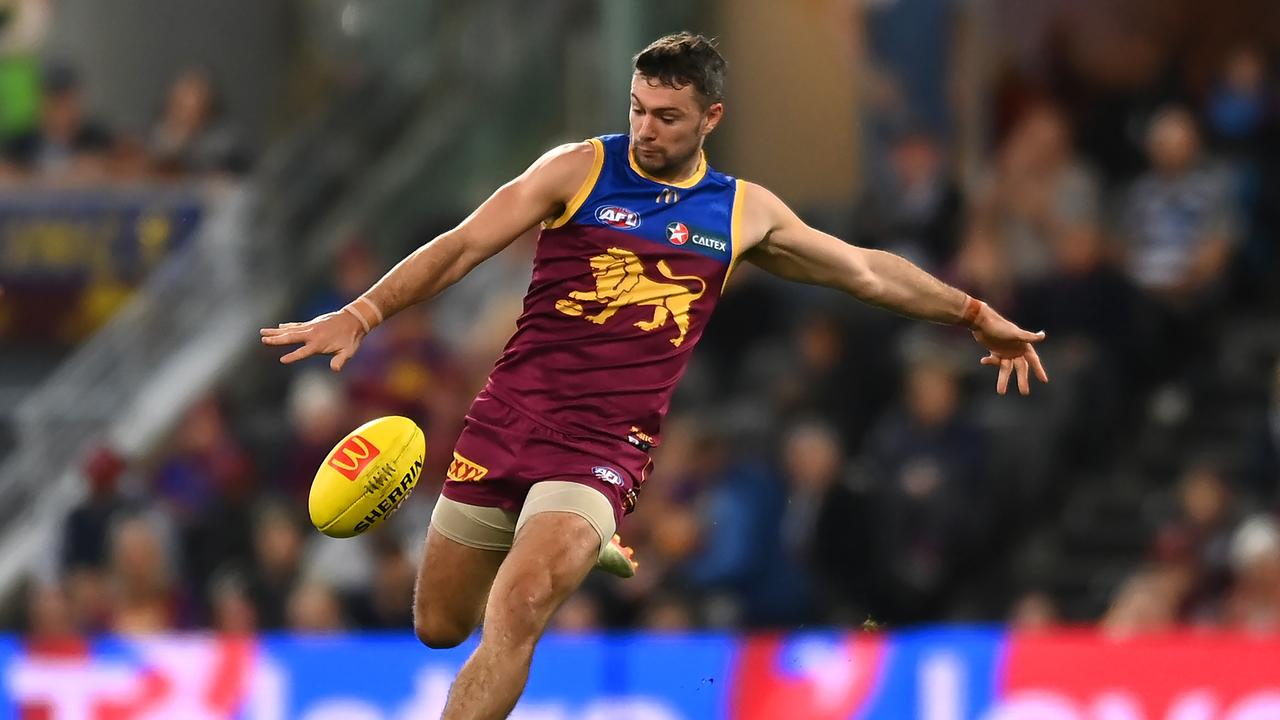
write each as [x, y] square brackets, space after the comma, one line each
[363, 323]
[377, 313]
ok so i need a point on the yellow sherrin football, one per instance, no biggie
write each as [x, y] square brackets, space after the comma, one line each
[367, 476]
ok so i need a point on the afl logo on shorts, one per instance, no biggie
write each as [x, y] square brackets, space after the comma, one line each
[618, 217]
[677, 233]
[607, 474]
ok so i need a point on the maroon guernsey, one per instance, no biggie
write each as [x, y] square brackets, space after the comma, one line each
[624, 283]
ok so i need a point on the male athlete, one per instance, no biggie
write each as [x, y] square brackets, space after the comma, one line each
[638, 238]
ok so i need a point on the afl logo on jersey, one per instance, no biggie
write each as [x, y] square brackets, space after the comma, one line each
[677, 233]
[618, 217]
[607, 474]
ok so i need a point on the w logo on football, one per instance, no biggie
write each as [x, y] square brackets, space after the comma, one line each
[353, 456]
[677, 233]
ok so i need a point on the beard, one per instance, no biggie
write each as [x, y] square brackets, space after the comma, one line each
[659, 163]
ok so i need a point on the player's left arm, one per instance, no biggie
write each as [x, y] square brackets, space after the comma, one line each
[783, 244]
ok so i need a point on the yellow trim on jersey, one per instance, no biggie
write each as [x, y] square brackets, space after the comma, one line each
[735, 229]
[688, 182]
[588, 185]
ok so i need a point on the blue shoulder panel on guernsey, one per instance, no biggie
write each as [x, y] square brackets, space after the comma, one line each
[695, 215]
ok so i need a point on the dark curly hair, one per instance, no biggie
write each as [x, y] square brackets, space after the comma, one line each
[682, 59]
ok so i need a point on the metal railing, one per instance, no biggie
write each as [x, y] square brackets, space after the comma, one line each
[378, 147]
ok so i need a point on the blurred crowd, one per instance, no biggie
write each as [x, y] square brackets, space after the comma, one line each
[63, 145]
[823, 462]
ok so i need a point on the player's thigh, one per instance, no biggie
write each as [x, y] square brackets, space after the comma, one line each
[465, 546]
[552, 554]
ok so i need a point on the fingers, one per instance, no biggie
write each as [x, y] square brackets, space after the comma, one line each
[305, 351]
[1002, 380]
[1031, 337]
[1024, 381]
[1034, 359]
[340, 359]
[283, 338]
[279, 329]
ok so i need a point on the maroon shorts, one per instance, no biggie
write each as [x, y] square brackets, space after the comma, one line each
[503, 452]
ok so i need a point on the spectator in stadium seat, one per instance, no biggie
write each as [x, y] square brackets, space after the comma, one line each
[144, 597]
[738, 508]
[1200, 533]
[191, 137]
[1239, 108]
[1093, 312]
[917, 213]
[50, 623]
[65, 146]
[205, 456]
[1145, 603]
[232, 610]
[86, 541]
[926, 462]
[825, 523]
[1039, 195]
[314, 608]
[85, 533]
[206, 485]
[1180, 230]
[1254, 602]
[818, 372]
[354, 268]
[1242, 125]
[276, 570]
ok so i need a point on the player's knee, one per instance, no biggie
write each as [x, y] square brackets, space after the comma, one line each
[439, 633]
[524, 612]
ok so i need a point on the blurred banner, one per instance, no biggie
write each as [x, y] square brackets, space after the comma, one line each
[68, 258]
[947, 674]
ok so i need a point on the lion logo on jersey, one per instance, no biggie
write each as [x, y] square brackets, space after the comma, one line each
[621, 281]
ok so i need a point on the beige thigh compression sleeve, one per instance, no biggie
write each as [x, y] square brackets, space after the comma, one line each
[576, 498]
[476, 526]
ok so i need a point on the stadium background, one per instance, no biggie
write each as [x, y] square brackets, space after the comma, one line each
[177, 173]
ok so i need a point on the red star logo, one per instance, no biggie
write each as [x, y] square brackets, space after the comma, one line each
[677, 233]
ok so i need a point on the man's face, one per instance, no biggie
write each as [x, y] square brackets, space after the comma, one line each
[61, 113]
[667, 125]
[1173, 142]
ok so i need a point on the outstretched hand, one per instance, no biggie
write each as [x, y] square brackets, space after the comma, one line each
[1011, 349]
[336, 333]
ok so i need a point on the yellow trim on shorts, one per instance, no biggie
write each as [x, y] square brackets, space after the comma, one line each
[698, 172]
[589, 184]
[735, 230]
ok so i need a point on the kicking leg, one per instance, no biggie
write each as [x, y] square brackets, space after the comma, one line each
[552, 554]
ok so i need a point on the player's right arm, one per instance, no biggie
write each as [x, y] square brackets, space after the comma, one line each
[539, 193]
